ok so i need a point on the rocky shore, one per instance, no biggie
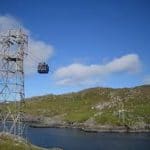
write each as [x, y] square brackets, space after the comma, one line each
[98, 128]
[87, 126]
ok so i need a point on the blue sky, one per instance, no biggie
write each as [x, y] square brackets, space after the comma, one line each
[86, 41]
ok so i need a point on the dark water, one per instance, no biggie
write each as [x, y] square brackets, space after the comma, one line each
[74, 139]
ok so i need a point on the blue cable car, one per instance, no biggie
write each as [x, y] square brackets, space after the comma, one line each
[43, 68]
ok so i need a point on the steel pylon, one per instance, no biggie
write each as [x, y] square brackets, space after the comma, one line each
[13, 48]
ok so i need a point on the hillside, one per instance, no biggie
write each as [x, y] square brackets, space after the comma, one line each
[93, 108]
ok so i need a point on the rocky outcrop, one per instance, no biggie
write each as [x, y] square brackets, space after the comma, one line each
[88, 126]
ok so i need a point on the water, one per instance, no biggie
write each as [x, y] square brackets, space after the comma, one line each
[74, 139]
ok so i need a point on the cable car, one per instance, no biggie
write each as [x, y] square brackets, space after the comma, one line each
[43, 68]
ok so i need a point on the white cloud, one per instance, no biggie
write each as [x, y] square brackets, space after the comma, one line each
[75, 74]
[38, 50]
[147, 80]
[8, 22]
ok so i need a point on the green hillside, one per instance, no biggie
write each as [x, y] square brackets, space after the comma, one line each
[105, 106]
[92, 107]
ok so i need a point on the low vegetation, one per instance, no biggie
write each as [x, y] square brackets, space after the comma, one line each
[11, 142]
[105, 105]
[126, 106]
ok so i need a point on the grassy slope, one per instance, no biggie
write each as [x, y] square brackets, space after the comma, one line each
[101, 104]
[9, 142]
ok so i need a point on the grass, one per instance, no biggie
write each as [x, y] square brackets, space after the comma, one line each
[10, 142]
[108, 118]
[81, 106]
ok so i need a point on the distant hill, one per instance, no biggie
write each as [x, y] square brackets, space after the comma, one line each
[93, 108]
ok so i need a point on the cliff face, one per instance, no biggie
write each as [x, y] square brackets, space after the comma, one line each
[95, 108]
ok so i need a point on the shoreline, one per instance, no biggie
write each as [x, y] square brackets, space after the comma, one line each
[96, 129]
[5, 136]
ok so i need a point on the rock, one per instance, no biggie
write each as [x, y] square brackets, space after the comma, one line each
[56, 148]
